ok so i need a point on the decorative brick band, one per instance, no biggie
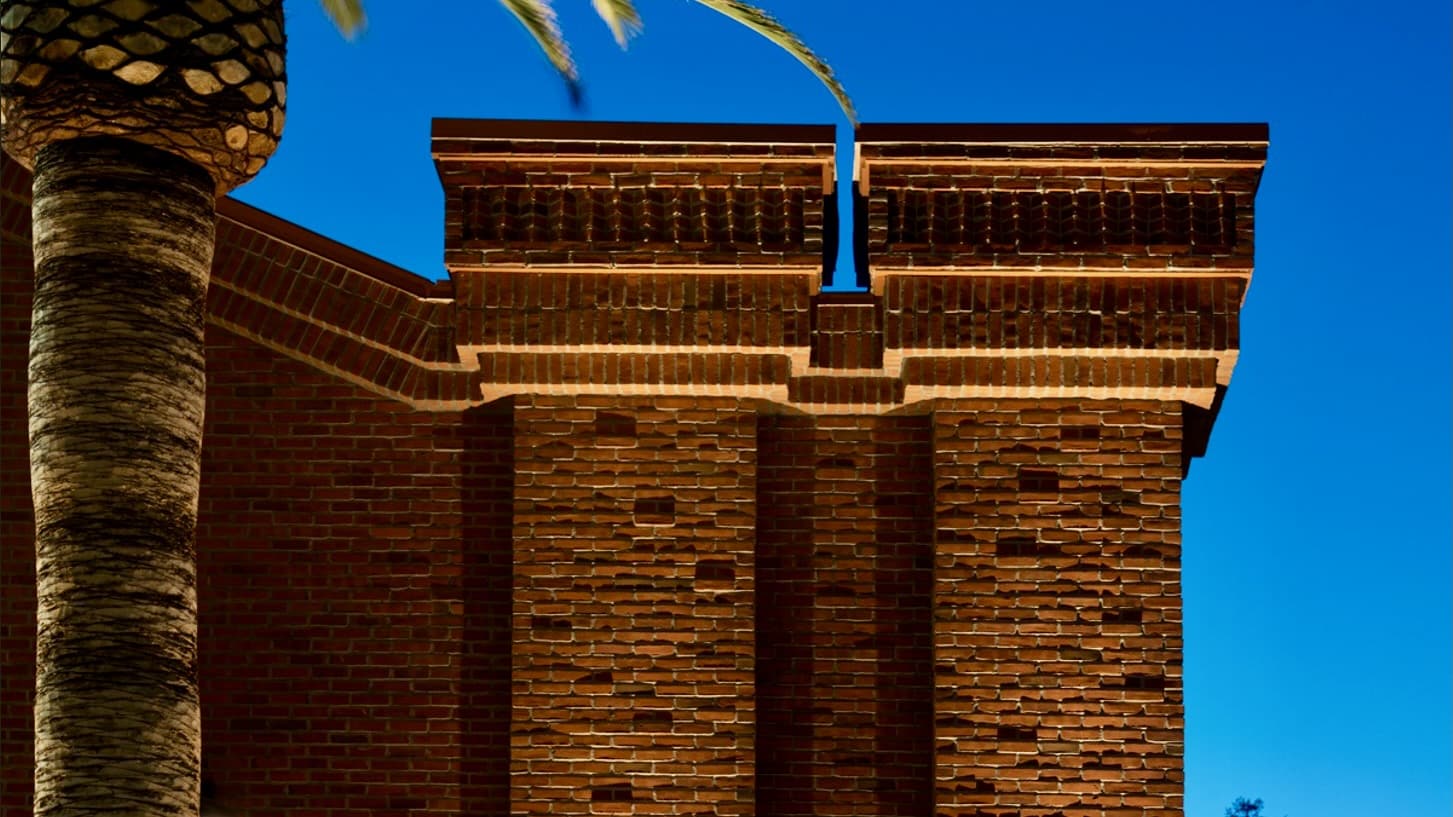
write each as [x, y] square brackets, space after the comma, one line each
[1061, 197]
[612, 195]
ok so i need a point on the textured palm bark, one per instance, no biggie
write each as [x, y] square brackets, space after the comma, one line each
[123, 245]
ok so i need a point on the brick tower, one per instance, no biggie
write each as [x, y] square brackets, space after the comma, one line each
[630, 517]
[789, 552]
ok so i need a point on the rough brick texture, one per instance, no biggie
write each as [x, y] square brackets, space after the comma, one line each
[633, 658]
[628, 517]
[844, 543]
[1057, 612]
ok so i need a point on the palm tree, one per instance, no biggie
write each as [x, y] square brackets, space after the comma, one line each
[135, 115]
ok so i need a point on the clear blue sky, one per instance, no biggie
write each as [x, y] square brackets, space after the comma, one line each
[1317, 534]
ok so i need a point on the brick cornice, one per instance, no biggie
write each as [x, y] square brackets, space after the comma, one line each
[1056, 298]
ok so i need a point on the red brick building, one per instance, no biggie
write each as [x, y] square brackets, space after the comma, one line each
[628, 516]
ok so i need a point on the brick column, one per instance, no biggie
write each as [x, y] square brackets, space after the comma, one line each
[1057, 611]
[1070, 296]
[633, 658]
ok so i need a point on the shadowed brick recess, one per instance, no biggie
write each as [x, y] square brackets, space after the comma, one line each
[628, 515]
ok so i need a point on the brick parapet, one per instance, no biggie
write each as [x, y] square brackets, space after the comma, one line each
[1072, 197]
[622, 195]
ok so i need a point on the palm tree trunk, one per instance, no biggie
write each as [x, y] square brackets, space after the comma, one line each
[123, 249]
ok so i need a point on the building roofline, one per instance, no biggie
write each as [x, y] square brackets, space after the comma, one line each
[287, 232]
[1027, 133]
[633, 132]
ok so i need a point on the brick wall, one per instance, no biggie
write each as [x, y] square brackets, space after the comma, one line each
[844, 545]
[634, 589]
[17, 520]
[629, 517]
[1057, 613]
[332, 606]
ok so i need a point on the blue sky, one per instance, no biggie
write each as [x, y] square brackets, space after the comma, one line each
[1317, 533]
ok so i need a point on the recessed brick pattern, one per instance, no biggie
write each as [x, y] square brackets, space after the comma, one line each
[844, 552]
[627, 218]
[1036, 222]
[1057, 625]
[634, 594]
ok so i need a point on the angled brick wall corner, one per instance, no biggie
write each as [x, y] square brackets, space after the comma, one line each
[337, 309]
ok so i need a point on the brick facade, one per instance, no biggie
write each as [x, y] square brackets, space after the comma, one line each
[629, 516]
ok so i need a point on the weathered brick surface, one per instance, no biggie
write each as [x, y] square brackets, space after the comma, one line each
[599, 308]
[1057, 610]
[1051, 312]
[634, 588]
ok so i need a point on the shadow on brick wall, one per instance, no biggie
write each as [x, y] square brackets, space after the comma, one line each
[488, 505]
[844, 629]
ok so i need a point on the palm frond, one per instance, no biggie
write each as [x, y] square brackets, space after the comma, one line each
[621, 16]
[763, 23]
[347, 15]
[538, 18]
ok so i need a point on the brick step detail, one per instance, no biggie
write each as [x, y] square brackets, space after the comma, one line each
[847, 331]
[859, 390]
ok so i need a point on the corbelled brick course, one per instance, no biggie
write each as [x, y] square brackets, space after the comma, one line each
[630, 517]
[533, 194]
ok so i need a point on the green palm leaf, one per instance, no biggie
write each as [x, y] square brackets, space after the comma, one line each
[347, 15]
[621, 16]
[538, 18]
[763, 23]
